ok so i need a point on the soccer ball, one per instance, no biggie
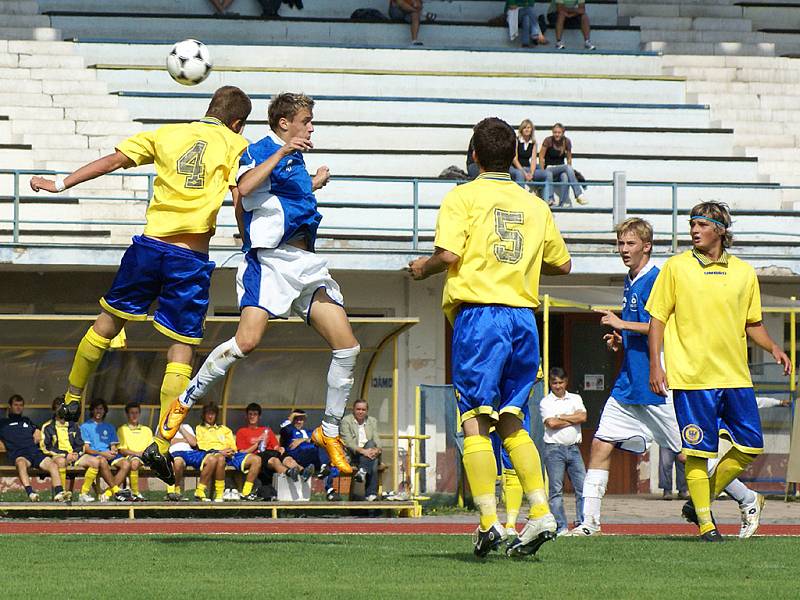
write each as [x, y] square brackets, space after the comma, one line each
[189, 62]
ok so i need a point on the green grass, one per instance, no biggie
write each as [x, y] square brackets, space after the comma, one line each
[384, 566]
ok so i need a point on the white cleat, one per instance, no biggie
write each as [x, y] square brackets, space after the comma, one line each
[86, 498]
[583, 530]
[535, 533]
[63, 496]
[751, 517]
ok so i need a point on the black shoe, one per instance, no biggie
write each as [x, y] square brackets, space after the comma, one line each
[69, 412]
[307, 473]
[252, 497]
[292, 474]
[712, 536]
[124, 495]
[360, 476]
[688, 513]
[486, 541]
[323, 472]
[159, 464]
[333, 495]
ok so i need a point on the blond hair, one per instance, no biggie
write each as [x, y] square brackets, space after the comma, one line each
[721, 214]
[525, 123]
[639, 227]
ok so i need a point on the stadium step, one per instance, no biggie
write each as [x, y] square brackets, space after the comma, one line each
[18, 20]
[29, 33]
[720, 48]
[633, 8]
[19, 7]
[701, 36]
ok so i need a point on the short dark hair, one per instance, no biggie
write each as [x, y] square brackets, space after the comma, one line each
[15, 398]
[360, 401]
[211, 408]
[253, 406]
[495, 144]
[286, 106]
[99, 402]
[132, 404]
[57, 401]
[557, 373]
[229, 104]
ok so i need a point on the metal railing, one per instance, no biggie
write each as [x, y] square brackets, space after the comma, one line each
[411, 227]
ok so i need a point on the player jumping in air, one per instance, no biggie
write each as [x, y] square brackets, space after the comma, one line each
[494, 241]
[281, 275]
[709, 303]
[196, 165]
[634, 416]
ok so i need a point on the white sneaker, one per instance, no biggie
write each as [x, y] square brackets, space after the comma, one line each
[581, 200]
[560, 45]
[234, 496]
[535, 533]
[751, 516]
[582, 530]
[86, 498]
[104, 498]
[62, 496]
[219, 500]
[372, 498]
[33, 497]
[589, 45]
[226, 495]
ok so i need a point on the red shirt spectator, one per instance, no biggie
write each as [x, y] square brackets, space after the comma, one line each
[248, 437]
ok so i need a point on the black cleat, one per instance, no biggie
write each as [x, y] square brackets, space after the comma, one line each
[292, 474]
[688, 513]
[712, 536]
[489, 540]
[333, 495]
[69, 412]
[159, 463]
[323, 472]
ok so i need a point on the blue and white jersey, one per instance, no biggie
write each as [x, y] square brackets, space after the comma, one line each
[633, 384]
[283, 207]
[289, 433]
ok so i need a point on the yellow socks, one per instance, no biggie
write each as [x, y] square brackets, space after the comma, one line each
[62, 474]
[512, 492]
[729, 468]
[700, 491]
[481, 470]
[134, 477]
[219, 488]
[88, 480]
[200, 492]
[87, 357]
[247, 488]
[525, 458]
[176, 379]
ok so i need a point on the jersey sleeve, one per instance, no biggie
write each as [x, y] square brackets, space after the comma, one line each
[754, 308]
[661, 303]
[452, 224]
[86, 434]
[141, 148]
[236, 151]
[114, 439]
[555, 249]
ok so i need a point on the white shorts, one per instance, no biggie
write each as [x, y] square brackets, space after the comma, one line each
[633, 427]
[283, 281]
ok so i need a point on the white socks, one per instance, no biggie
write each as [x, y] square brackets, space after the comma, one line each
[594, 488]
[213, 369]
[340, 381]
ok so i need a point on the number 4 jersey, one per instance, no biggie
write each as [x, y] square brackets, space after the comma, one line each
[196, 165]
[503, 235]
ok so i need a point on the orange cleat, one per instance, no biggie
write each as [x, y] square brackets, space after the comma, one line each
[335, 449]
[171, 420]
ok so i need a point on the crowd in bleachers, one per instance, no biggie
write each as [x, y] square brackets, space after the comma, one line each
[229, 467]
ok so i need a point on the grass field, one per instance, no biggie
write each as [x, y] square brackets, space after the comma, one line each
[390, 566]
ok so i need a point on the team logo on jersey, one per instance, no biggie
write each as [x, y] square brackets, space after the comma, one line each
[692, 434]
[634, 302]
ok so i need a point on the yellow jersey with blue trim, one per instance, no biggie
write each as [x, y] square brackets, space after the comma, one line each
[706, 305]
[135, 439]
[214, 437]
[196, 165]
[503, 235]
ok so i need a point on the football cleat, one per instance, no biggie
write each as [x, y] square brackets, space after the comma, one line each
[86, 498]
[333, 495]
[171, 420]
[138, 498]
[489, 540]
[174, 497]
[234, 495]
[582, 531]
[307, 473]
[535, 533]
[160, 464]
[323, 472]
[251, 497]
[33, 497]
[751, 517]
[69, 411]
[202, 498]
[712, 536]
[688, 513]
[292, 474]
[124, 495]
[335, 449]
[63, 496]
[360, 476]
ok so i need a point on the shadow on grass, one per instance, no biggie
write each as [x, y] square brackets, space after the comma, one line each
[246, 539]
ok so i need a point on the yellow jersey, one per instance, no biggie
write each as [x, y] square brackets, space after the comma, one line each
[214, 437]
[502, 234]
[706, 305]
[196, 164]
[135, 439]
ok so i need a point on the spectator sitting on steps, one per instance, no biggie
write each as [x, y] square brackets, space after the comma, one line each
[571, 9]
[529, 31]
[410, 11]
[555, 155]
[522, 168]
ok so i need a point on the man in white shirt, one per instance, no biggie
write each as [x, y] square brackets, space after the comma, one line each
[562, 415]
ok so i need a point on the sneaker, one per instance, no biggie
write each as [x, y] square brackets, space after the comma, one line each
[535, 533]
[33, 497]
[489, 540]
[582, 531]
[360, 476]
[160, 464]
[70, 412]
[124, 495]
[688, 513]
[292, 474]
[63, 496]
[751, 517]
[175, 497]
[589, 45]
[323, 472]
[667, 495]
[226, 495]
[218, 499]
[171, 419]
[334, 448]
[139, 498]
[372, 498]
[417, 43]
[333, 495]
[103, 498]
[251, 497]
[712, 536]
[582, 200]
[235, 496]
[307, 473]
[560, 45]
[86, 498]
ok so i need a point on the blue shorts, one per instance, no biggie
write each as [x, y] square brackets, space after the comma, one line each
[178, 278]
[32, 455]
[495, 358]
[705, 415]
[192, 458]
[237, 461]
[306, 454]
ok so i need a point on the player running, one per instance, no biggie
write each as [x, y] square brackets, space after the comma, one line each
[196, 165]
[281, 275]
[494, 241]
[709, 303]
[634, 416]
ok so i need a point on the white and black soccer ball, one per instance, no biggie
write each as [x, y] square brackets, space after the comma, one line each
[189, 62]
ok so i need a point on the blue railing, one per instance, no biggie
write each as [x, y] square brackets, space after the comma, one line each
[412, 202]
